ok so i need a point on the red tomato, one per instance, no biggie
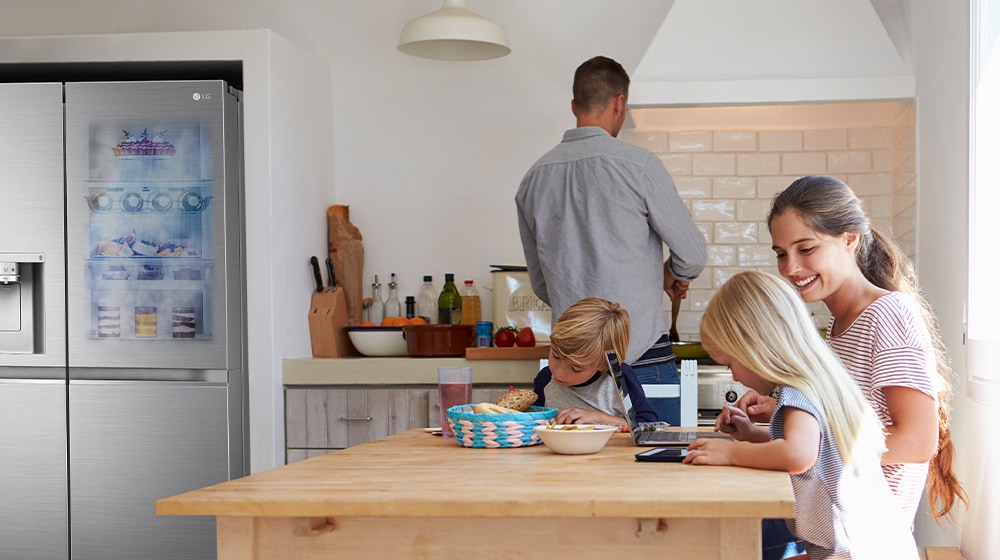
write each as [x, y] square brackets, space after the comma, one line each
[505, 337]
[525, 337]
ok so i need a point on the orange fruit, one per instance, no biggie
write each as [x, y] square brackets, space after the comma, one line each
[367, 324]
[395, 322]
[418, 321]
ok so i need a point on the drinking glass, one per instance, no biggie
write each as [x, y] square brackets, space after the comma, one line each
[454, 388]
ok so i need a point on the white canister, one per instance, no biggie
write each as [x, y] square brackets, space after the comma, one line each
[515, 304]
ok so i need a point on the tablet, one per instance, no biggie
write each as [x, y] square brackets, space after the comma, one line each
[662, 455]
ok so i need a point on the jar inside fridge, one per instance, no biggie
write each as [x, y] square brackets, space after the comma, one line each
[145, 322]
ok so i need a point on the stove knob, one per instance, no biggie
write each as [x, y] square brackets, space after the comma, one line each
[731, 396]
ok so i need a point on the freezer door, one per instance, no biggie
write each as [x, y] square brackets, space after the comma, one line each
[33, 493]
[31, 223]
[133, 443]
[154, 229]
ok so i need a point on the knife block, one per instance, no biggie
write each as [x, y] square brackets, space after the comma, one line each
[328, 324]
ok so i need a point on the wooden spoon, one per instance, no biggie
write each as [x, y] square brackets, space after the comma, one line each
[675, 308]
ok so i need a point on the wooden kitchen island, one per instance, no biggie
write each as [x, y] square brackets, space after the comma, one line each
[414, 495]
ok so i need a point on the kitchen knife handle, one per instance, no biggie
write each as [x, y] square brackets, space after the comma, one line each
[329, 271]
[319, 279]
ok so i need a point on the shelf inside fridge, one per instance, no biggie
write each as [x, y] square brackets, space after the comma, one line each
[141, 199]
[114, 273]
[149, 317]
[149, 298]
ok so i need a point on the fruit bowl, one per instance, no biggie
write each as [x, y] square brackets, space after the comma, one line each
[378, 341]
[575, 439]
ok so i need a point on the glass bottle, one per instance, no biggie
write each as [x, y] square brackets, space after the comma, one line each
[427, 301]
[377, 308]
[411, 307]
[450, 302]
[471, 305]
[392, 307]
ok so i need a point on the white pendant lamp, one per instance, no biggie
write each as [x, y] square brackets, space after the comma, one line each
[453, 33]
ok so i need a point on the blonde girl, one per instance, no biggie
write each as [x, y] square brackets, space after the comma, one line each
[823, 432]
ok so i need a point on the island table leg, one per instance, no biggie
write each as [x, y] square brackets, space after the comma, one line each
[739, 539]
[237, 538]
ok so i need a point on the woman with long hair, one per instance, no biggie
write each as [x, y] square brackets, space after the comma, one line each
[881, 327]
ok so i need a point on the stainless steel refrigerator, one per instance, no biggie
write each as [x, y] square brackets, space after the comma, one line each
[122, 315]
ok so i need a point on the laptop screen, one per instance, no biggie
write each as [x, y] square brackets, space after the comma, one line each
[615, 369]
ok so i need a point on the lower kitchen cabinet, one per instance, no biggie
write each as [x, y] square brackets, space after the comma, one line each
[321, 419]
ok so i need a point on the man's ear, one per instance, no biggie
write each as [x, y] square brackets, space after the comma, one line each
[619, 104]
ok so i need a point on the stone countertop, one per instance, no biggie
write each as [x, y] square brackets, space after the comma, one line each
[402, 371]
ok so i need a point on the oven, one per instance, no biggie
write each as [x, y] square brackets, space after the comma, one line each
[716, 388]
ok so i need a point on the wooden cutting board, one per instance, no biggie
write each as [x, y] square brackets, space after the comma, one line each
[513, 353]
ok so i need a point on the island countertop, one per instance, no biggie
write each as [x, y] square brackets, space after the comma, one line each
[416, 496]
[416, 474]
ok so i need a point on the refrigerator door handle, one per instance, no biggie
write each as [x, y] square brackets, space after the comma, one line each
[147, 375]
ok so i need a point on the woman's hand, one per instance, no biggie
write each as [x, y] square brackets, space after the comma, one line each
[757, 406]
[576, 415]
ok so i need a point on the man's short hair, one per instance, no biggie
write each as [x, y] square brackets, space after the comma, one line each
[598, 81]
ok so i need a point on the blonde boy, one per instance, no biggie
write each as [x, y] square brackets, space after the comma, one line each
[574, 380]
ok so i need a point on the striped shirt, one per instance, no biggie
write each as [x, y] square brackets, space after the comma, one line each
[842, 513]
[661, 352]
[889, 346]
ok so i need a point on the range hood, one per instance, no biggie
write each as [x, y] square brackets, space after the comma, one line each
[733, 52]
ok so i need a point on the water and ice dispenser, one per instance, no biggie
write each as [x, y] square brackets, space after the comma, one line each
[21, 326]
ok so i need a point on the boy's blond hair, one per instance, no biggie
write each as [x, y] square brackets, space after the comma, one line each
[587, 329]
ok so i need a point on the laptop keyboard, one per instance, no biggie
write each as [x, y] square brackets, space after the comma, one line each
[664, 436]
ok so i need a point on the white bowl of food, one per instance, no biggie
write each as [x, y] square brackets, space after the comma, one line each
[575, 439]
[378, 341]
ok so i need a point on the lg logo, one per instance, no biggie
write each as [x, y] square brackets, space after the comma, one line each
[199, 96]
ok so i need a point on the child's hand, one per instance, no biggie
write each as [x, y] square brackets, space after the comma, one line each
[710, 451]
[758, 407]
[735, 422]
[576, 415]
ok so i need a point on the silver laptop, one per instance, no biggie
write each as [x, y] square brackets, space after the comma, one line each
[646, 434]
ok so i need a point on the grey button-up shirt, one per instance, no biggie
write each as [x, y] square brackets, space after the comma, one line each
[594, 213]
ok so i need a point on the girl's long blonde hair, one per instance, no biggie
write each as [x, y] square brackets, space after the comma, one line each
[759, 321]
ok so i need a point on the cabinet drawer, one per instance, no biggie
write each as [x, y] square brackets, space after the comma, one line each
[335, 418]
[323, 419]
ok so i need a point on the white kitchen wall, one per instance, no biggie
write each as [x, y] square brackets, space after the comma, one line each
[941, 66]
[729, 162]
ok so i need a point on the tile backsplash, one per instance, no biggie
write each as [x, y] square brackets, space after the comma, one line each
[728, 177]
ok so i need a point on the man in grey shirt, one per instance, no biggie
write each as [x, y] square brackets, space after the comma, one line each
[594, 213]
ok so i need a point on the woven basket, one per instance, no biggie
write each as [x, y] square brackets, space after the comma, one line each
[497, 430]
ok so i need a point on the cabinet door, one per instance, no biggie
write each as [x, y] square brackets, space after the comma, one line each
[408, 408]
